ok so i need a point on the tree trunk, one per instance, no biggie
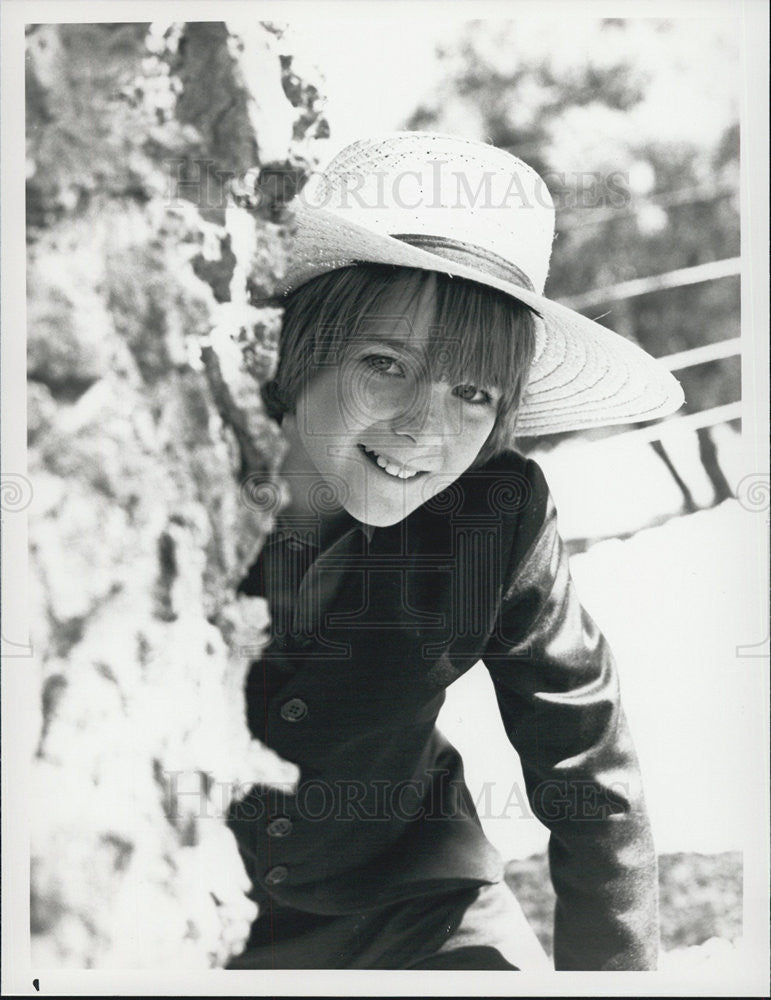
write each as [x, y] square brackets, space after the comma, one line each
[150, 462]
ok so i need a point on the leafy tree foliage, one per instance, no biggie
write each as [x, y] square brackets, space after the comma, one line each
[635, 125]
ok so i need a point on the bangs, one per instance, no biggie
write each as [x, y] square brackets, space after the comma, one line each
[474, 336]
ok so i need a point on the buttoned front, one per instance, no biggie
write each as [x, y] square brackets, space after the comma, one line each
[281, 826]
[277, 875]
[294, 710]
[394, 616]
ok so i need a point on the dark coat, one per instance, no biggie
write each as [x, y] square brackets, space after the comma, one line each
[353, 680]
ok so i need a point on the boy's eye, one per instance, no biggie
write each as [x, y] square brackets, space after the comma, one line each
[470, 394]
[382, 364]
[389, 367]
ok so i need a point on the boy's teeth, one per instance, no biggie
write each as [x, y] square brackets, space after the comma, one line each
[393, 470]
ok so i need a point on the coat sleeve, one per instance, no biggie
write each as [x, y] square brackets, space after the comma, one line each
[557, 688]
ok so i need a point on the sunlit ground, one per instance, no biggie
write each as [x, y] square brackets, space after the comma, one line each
[700, 898]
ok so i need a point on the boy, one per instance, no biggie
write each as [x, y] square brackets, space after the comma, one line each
[417, 542]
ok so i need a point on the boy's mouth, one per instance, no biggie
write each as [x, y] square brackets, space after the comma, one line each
[395, 469]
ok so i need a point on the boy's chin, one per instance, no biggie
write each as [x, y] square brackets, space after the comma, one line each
[381, 515]
[382, 511]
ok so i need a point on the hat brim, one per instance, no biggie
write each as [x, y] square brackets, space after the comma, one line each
[583, 375]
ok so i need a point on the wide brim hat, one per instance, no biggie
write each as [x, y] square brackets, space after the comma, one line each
[463, 208]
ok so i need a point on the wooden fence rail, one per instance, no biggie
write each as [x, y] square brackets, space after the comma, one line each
[679, 360]
[655, 283]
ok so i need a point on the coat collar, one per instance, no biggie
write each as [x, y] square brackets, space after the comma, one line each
[302, 528]
[506, 472]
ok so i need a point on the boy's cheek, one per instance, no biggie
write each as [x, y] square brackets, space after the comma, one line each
[322, 415]
[366, 401]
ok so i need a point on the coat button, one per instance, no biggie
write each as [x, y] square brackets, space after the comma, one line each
[294, 710]
[279, 827]
[276, 875]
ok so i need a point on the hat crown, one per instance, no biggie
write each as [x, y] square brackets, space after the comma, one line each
[460, 198]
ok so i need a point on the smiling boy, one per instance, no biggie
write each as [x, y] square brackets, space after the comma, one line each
[388, 416]
[417, 542]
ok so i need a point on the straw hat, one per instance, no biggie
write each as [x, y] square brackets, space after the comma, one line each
[442, 203]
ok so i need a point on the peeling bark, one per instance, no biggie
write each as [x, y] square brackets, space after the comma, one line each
[146, 353]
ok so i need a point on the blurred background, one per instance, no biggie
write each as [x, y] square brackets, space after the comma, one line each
[635, 124]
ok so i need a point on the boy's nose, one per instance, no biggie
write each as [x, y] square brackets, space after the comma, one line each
[432, 414]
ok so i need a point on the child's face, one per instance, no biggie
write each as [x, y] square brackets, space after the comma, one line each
[378, 429]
